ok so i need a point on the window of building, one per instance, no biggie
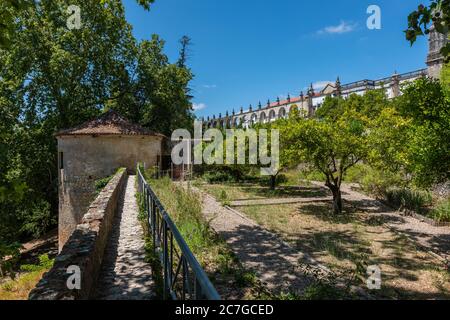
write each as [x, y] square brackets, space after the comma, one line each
[61, 160]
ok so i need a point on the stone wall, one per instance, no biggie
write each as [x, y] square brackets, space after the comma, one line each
[86, 159]
[85, 247]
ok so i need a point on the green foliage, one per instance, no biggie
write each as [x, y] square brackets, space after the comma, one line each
[45, 263]
[426, 150]
[53, 78]
[419, 21]
[331, 144]
[185, 210]
[220, 174]
[9, 255]
[7, 14]
[223, 198]
[152, 258]
[445, 78]
[442, 211]
[37, 219]
[102, 183]
[404, 198]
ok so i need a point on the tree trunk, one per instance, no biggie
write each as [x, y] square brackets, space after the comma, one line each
[273, 180]
[337, 201]
[337, 197]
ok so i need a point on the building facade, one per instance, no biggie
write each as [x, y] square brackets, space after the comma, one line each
[93, 151]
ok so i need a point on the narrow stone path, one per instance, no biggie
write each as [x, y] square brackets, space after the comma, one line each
[125, 275]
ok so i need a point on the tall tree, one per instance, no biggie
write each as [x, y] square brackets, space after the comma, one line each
[331, 144]
[184, 51]
[53, 78]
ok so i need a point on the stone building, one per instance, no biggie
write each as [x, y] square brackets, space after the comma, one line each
[95, 150]
[435, 60]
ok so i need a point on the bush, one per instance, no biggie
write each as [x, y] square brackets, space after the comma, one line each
[377, 182]
[405, 198]
[9, 255]
[357, 173]
[45, 263]
[102, 183]
[220, 174]
[218, 177]
[38, 219]
[442, 211]
[311, 175]
[223, 198]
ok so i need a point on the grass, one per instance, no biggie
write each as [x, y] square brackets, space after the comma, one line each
[223, 268]
[441, 212]
[100, 184]
[20, 287]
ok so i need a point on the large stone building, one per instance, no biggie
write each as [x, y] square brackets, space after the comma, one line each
[308, 102]
[93, 151]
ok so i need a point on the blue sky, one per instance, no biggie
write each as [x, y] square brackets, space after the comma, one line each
[245, 51]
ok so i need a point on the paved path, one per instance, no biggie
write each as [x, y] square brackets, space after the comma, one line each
[125, 275]
[274, 261]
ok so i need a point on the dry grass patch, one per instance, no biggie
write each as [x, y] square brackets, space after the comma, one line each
[345, 242]
[19, 288]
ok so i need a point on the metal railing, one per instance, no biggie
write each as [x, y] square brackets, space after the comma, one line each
[183, 277]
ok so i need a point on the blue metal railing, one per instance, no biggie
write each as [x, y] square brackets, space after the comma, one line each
[183, 277]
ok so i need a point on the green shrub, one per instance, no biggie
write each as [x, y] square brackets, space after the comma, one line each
[218, 177]
[405, 198]
[377, 182]
[311, 175]
[442, 211]
[223, 198]
[357, 173]
[38, 219]
[102, 183]
[221, 174]
[9, 255]
[45, 263]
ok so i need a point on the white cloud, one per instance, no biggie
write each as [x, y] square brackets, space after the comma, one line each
[341, 28]
[198, 106]
[209, 86]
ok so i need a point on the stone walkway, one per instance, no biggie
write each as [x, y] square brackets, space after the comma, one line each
[125, 275]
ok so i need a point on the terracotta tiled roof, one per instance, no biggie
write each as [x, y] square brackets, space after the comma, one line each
[109, 123]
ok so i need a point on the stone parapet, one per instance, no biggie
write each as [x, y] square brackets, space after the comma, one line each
[84, 249]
